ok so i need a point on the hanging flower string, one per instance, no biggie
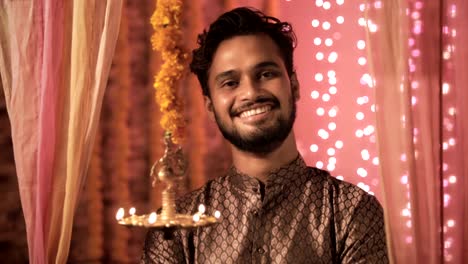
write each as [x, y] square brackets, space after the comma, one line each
[167, 39]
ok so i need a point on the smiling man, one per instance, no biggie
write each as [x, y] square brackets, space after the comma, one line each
[274, 208]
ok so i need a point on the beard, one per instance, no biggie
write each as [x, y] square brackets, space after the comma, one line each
[263, 140]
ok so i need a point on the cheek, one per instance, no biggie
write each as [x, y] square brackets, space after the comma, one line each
[223, 103]
[282, 90]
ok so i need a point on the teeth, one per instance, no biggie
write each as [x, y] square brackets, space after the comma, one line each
[255, 111]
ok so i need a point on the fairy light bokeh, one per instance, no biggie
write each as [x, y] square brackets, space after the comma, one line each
[449, 144]
[335, 126]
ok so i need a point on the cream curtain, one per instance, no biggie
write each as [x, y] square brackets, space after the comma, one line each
[54, 63]
[419, 54]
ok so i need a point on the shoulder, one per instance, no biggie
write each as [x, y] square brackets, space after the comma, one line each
[343, 195]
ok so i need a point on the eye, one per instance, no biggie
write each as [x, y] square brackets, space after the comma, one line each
[267, 75]
[229, 84]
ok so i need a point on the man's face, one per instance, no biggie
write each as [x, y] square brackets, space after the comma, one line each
[251, 95]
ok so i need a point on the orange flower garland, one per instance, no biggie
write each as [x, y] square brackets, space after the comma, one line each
[167, 39]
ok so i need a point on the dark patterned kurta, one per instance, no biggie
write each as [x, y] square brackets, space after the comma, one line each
[301, 215]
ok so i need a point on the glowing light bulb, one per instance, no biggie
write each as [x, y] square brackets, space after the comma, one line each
[323, 134]
[196, 217]
[332, 57]
[359, 133]
[319, 56]
[339, 144]
[152, 218]
[314, 148]
[451, 141]
[217, 214]
[361, 172]
[452, 179]
[362, 61]
[132, 211]
[405, 212]
[360, 116]
[366, 79]
[201, 209]
[314, 94]
[120, 214]
[319, 164]
[369, 130]
[317, 41]
[340, 20]
[372, 27]
[361, 44]
[318, 77]
[450, 223]
[333, 112]
[408, 239]
[404, 179]
[445, 88]
[451, 111]
[365, 154]
[315, 23]
[320, 111]
[362, 21]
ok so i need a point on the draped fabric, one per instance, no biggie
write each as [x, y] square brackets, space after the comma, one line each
[419, 56]
[54, 63]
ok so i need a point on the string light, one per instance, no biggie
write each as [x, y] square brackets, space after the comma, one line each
[331, 101]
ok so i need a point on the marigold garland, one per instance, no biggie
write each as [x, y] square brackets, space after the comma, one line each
[167, 39]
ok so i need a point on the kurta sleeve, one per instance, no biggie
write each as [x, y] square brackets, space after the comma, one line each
[365, 239]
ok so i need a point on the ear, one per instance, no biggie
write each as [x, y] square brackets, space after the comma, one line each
[295, 87]
[209, 107]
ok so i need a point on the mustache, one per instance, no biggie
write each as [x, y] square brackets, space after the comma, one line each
[258, 101]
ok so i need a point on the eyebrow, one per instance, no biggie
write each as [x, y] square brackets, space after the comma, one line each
[260, 65]
[266, 64]
[224, 75]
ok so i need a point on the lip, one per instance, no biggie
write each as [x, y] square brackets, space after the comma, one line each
[243, 109]
[255, 118]
[255, 111]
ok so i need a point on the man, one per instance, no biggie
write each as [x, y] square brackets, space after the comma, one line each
[274, 209]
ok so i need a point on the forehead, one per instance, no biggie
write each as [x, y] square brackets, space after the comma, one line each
[243, 53]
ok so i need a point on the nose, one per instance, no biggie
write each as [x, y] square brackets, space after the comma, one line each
[249, 89]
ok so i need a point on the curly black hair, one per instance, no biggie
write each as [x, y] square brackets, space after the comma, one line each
[240, 22]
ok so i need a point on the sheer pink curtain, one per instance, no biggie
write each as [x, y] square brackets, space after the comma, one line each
[419, 57]
[54, 62]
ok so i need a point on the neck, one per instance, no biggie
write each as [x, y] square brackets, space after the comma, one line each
[259, 165]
